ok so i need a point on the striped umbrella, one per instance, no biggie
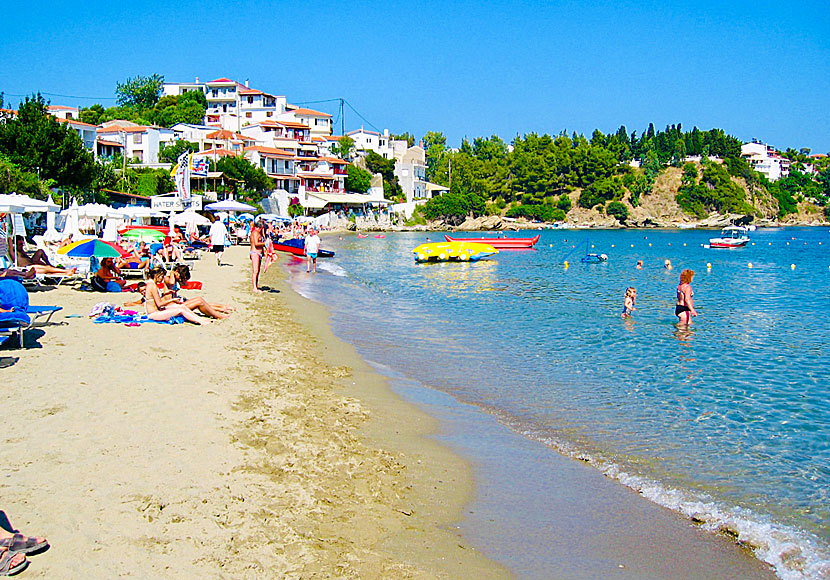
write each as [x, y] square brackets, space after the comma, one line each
[93, 247]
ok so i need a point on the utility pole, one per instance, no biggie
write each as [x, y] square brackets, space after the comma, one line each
[342, 120]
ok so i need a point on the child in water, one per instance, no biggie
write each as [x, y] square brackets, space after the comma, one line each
[628, 302]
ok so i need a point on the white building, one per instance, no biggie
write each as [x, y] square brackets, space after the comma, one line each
[141, 143]
[278, 164]
[411, 171]
[62, 112]
[766, 160]
[318, 123]
[373, 141]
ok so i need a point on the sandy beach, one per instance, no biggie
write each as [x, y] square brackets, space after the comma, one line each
[246, 448]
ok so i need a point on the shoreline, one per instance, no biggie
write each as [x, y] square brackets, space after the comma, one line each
[223, 451]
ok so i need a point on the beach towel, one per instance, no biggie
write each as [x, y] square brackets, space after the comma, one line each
[134, 319]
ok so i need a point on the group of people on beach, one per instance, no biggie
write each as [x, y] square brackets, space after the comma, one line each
[684, 305]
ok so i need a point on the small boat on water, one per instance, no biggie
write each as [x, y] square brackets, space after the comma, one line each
[453, 252]
[501, 243]
[296, 246]
[730, 237]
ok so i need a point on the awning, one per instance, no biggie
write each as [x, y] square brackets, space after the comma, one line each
[342, 198]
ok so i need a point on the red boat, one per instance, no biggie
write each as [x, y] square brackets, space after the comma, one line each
[499, 243]
[297, 247]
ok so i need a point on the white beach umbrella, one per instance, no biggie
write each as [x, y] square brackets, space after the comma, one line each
[71, 226]
[29, 204]
[98, 210]
[229, 205]
[110, 233]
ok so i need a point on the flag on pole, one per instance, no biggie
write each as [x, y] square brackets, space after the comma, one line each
[199, 167]
[183, 176]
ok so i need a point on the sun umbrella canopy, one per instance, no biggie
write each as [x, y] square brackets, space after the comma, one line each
[229, 205]
[99, 210]
[188, 217]
[6, 208]
[143, 235]
[29, 204]
[95, 247]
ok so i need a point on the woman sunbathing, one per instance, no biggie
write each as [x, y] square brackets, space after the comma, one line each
[37, 261]
[153, 305]
[178, 277]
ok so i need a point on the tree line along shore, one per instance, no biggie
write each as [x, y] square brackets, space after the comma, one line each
[654, 178]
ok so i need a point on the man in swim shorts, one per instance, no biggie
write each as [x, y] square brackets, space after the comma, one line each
[312, 247]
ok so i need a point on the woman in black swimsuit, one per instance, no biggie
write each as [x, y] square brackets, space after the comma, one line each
[685, 308]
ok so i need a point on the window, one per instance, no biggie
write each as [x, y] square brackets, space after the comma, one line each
[268, 113]
[250, 100]
[137, 139]
[248, 114]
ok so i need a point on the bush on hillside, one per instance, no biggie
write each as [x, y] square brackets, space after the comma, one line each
[618, 210]
[601, 191]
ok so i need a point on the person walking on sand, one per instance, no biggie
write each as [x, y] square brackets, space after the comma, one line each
[257, 250]
[629, 301]
[685, 308]
[218, 237]
[312, 247]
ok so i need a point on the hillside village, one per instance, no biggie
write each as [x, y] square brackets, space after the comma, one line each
[308, 165]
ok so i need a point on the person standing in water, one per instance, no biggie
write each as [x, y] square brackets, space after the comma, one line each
[629, 301]
[312, 246]
[685, 308]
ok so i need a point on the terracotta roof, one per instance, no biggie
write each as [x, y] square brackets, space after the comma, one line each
[120, 129]
[110, 143]
[12, 111]
[293, 125]
[334, 160]
[217, 153]
[308, 112]
[74, 122]
[60, 108]
[270, 151]
[228, 135]
[222, 80]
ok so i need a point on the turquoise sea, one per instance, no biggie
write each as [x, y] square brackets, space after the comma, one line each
[726, 421]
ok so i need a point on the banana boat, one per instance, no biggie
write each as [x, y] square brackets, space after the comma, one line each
[453, 252]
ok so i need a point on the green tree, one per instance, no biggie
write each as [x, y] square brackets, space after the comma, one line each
[344, 149]
[435, 146]
[15, 180]
[618, 210]
[35, 142]
[386, 167]
[170, 153]
[139, 92]
[357, 179]
[246, 179]
[94, 114]
[410, 139]
[189, 107]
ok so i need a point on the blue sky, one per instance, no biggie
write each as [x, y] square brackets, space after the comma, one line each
[755, 69]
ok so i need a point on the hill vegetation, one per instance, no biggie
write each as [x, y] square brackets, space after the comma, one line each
[553, 178]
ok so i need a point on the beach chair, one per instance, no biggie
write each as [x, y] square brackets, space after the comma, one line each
[23, 316]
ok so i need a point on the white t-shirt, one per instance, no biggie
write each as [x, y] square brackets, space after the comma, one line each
[218, 233]
[312, 244]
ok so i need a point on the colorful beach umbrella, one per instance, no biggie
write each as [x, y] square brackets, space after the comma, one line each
[143, 235]
[94, 247]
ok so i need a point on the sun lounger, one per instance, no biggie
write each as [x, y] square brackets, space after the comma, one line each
[14, 297]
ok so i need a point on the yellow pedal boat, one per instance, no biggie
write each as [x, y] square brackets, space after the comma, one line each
[453, 252]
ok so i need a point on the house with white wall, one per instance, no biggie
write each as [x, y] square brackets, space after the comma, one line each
[380, 143]
[766, 160]
[63, 112]
[277, 163]
[88, 133]
[141, 143]
[319, 123]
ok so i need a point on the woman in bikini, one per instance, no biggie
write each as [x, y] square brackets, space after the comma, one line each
[154, 307]
[177, 278]
[257, 249]
[685, 308]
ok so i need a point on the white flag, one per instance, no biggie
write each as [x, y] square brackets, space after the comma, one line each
[183, 176]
